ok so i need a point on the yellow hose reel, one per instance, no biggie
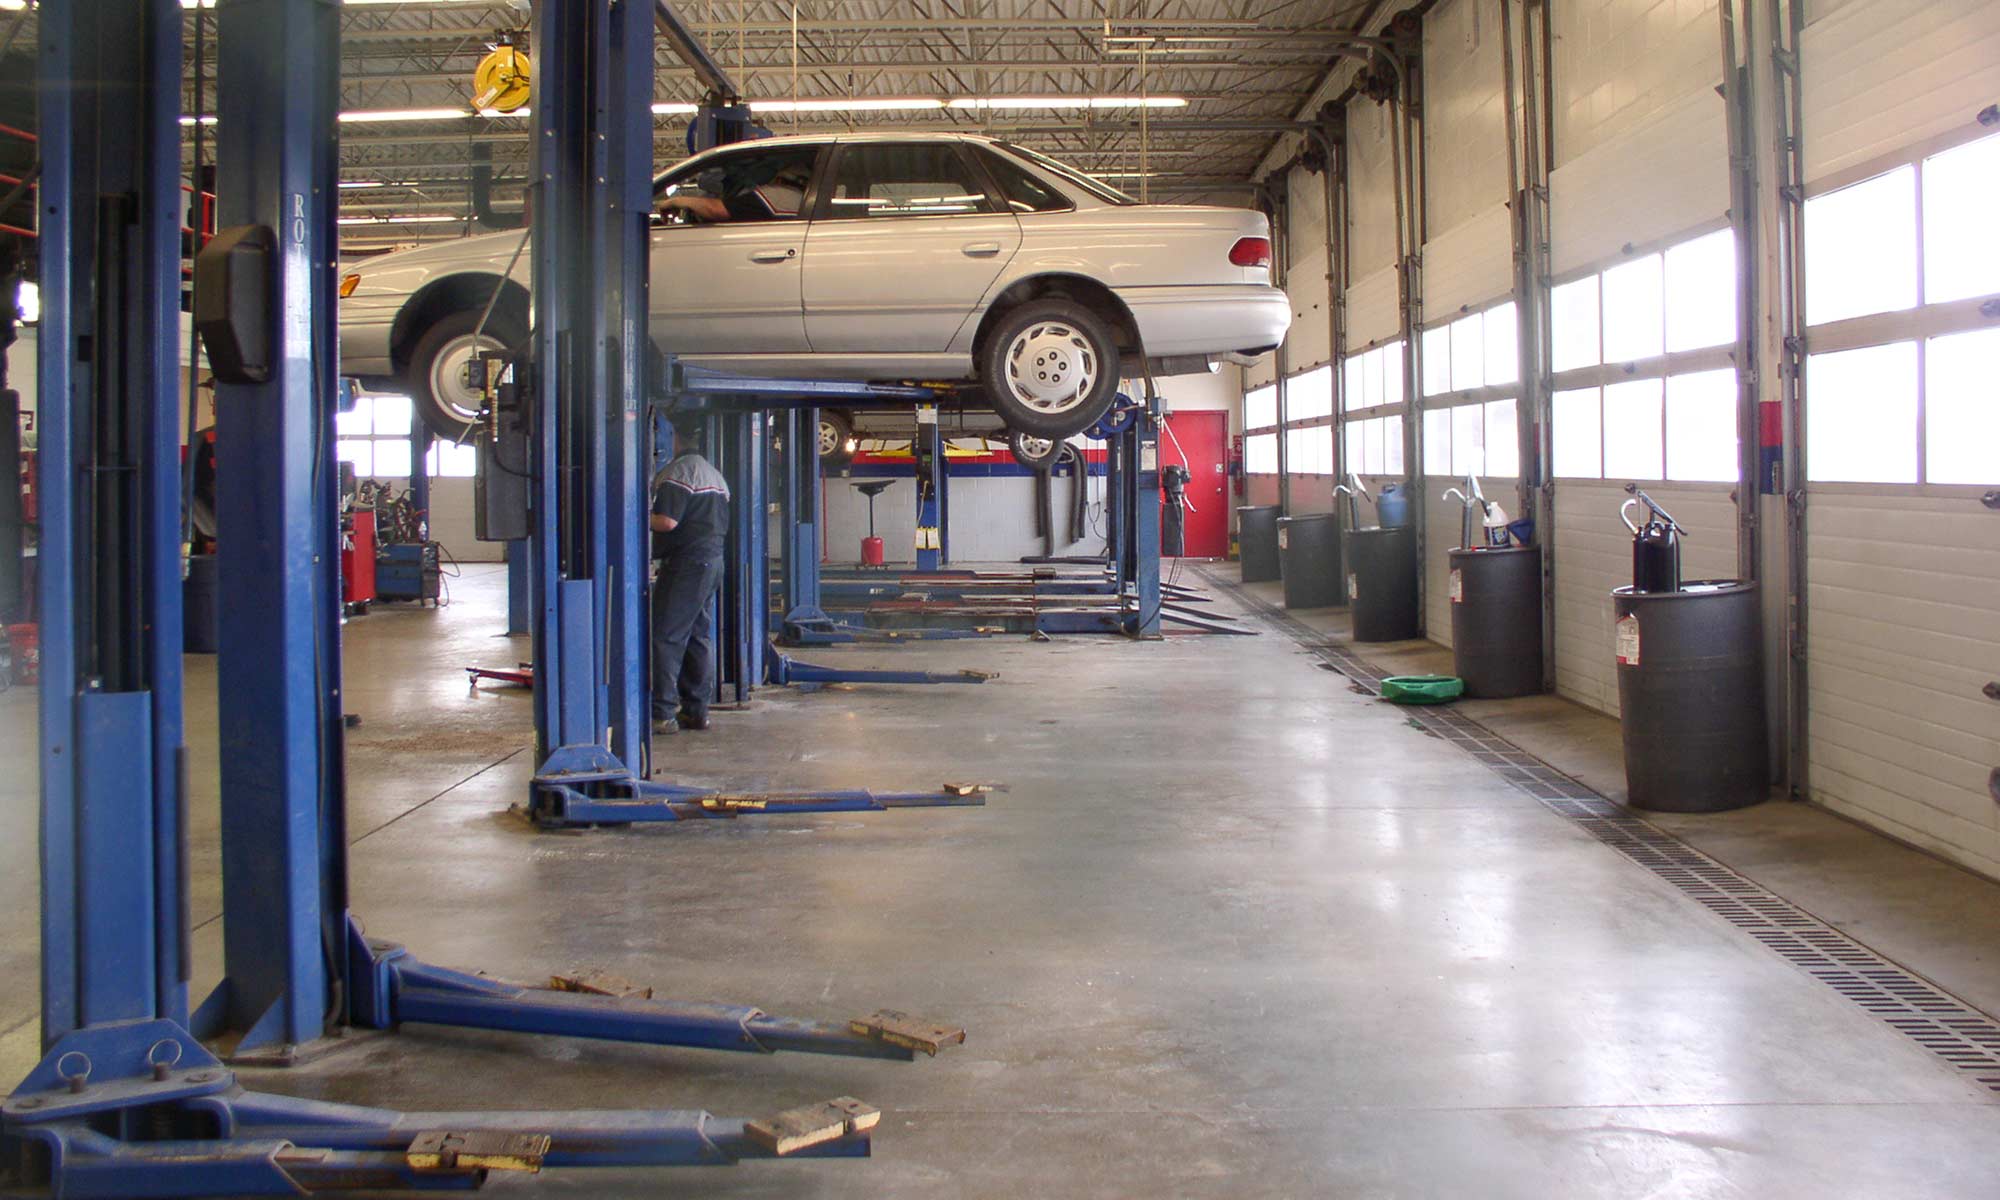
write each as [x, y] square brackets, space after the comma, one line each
[501, 81]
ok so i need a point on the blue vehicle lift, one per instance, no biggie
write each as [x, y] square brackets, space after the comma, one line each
[127, 1102]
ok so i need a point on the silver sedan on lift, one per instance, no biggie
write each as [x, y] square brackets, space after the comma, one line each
[947, 258]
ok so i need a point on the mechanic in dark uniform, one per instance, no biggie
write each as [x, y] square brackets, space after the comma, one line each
[690, 515]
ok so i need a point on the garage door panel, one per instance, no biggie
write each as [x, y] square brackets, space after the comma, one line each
[1881, 76]
[1903, 604]
[1469, 264]
[1371, 309]
[1969, 842]
[1957, 665]
[1906, 738]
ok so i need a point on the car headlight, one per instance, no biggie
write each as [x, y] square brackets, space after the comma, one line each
[347, 285]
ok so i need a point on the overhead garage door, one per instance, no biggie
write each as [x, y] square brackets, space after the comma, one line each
[1903, 421]
[1643, 314]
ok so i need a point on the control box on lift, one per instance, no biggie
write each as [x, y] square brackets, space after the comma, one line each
[500, 482]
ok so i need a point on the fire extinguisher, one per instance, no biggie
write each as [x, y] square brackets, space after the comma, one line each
[1656, 545]
[1236, 475]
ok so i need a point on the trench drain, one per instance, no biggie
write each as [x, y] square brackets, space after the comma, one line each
[1956, 1032]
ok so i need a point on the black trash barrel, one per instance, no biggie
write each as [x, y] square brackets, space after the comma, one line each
[1382, 583]
[1309, 560]
[1257, 542]
[1496, 621]
[1691, 697]
[201, 618]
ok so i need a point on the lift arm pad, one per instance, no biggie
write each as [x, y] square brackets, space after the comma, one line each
[233, 309]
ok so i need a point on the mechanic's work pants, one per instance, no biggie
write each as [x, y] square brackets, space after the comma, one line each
[683, 635]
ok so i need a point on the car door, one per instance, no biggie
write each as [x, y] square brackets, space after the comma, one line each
[727, 250]
[904, 243]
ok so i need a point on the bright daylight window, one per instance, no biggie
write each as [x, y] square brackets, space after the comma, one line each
[1675, 416]
[1375, 446]
[1309, 451]
[1309, 395]
[450, 460]
[1920, 405]
[1465, 433]
[1260, 454]
[1260, 407]
[1374, 443]
[375, 437]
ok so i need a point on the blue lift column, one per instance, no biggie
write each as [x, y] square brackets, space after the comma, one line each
[930, 475]
[113, 770]
[284, 842]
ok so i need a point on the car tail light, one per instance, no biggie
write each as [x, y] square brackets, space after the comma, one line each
[348, 284]
[1251, 252]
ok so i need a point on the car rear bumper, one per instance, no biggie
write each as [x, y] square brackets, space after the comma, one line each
[1209, 318]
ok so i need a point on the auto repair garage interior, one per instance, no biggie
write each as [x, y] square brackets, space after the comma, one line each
[1530, 733]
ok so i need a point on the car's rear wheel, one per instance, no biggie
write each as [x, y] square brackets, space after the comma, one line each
[836, 437]
[443, 396]
[1050, 368]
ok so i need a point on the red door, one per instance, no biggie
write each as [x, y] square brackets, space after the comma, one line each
[1199, 439]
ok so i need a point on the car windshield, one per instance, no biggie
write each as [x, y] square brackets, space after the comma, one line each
[1100, 190]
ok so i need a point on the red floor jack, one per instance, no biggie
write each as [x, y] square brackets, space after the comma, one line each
[871, 546]
[520, 676]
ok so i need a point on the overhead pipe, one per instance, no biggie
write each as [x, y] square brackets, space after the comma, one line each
[482, 194]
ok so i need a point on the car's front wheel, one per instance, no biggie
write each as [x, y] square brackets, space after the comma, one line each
[1050, 368]
[440, 390]
[836, 437]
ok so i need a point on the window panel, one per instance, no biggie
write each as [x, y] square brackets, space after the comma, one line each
[1861, 415]
[1392, 373]
[1577, 428]
[1701, 292]
[1307, 451]
[1861, 248]
[1260, 407]
[1371, 379]
[1392, 445]
[1468, 440]
[1437, 360]
[449, 460]
[1573, 325]
[1503, 349]
[1503, 440]
[360, 452]
[1961, 238]
[1633, 317]
[1260, 454]
[745, 185]
[1309, 395]
[392, 458]
[1632, 431]
[392, 415]
[358, 421]
[1701, 427]
[1355, 444]
[1356, 382]
[1468, 354]
[1437, 441]
[1962, 408]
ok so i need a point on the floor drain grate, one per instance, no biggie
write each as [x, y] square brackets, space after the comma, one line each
[1933, 1018]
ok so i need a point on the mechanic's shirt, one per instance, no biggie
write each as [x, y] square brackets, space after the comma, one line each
[694, 494]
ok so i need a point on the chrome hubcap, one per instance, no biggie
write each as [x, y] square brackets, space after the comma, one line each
[829, 439]
[450, 382]
[1036, 448]
[1051, 367]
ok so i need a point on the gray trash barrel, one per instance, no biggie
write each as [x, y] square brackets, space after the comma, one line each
[1309, 560]
[1382, 583]
[1691, 697]
[1257, 542]
[1496, 621]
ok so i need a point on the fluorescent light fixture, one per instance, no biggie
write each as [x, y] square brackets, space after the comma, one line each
[674, 110]
[1021, 102]
[189, 121]
[373, 115]
[851, 104]
[407, 219]
[29, 301]
[347, 185]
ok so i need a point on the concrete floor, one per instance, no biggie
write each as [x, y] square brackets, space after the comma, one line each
[1235, 931]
